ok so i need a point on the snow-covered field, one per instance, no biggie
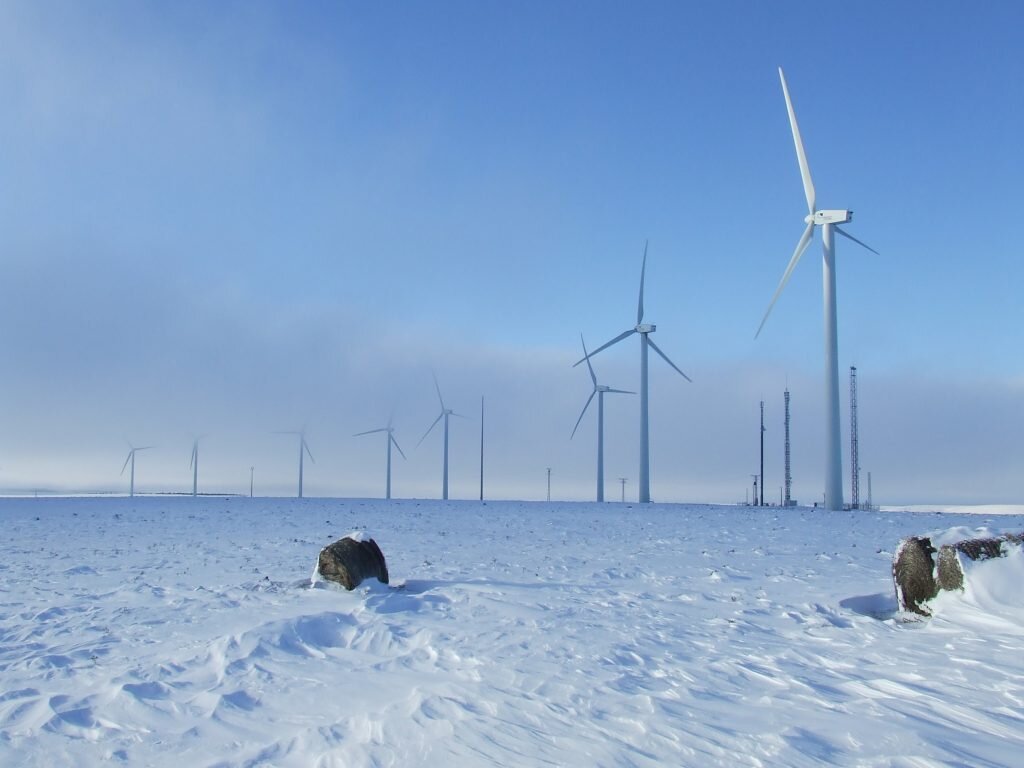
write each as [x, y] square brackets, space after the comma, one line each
[183, 632]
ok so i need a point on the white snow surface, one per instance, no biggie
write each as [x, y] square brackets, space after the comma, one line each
[180, 631]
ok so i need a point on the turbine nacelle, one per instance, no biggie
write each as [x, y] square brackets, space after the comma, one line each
[646, 328]
[829, 217]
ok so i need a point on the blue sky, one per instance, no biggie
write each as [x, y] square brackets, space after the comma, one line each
[236, 218]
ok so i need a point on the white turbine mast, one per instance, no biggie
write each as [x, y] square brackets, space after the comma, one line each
[390, 430]
[303, 451]
[193, 464]
[829, 221]
[131, 460]
[444, 414]
[645, 330]
[599, 390]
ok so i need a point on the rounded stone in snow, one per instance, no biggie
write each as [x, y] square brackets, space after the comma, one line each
[913, 574]
[919, 576]
[349, 562]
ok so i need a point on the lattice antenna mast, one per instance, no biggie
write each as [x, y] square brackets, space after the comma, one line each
[762, 454]
[854, 458]
[789, 477]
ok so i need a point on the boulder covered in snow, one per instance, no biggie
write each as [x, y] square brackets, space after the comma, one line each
[919, 576]
[949, 570]
[351, 560]
[913, 572]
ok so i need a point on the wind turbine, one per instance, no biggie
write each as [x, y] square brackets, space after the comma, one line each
[829, 221]
[645, 330]
[193, 464]
[391, 439]
[445, 413]
[131, 460]
[599, 390]
[303, 449]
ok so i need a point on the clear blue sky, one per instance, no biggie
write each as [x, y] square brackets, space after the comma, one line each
[235, 218]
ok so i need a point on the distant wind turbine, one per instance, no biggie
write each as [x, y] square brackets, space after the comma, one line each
[391, 440]
[828, 220]
[445, 413]
[645, 341]
[193, 464]
[303, 450]
[131, 460]
[599, 390]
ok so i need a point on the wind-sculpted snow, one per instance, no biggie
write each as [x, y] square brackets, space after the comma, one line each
[170, 632]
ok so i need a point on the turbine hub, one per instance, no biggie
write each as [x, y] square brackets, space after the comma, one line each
[830, 217]
[646, 328]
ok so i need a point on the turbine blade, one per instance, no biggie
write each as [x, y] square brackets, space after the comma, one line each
[848, 236]
[587, 358]
[439, 417]
[616, 340]
[127, 460]
[664, 357]
[392, 438]
[438, 388]
[801, 157]
[623, 391]
[308, 452]
[640, 304]
[586, 405]
[371, 431]
[805, 240]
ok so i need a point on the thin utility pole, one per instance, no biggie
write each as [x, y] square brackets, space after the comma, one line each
[623, 481]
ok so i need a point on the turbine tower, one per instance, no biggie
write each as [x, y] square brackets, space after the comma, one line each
[193, 464]
[445, 413]
[645, 330]
[131, 460]
[391, 440]
[599, 390]
[303, 450]
[829, 221]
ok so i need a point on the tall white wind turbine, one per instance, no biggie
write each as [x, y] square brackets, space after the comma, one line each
[645, 330]
[599, 390]
[131, 460]
[829, 221]
[391, 441]
[445, 413]
[303, 450]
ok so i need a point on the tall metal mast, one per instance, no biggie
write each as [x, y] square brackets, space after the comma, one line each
[481, 447]
[762, 453]
[788, 477]
[854, 459]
